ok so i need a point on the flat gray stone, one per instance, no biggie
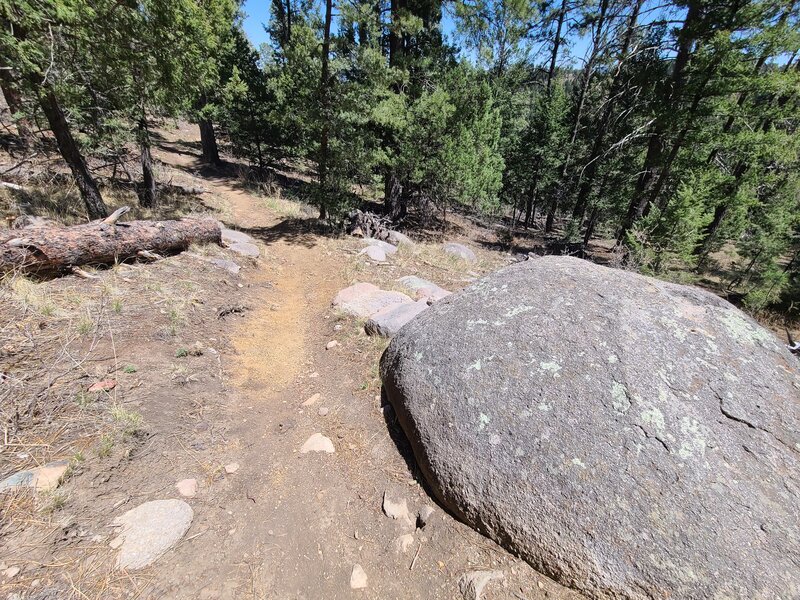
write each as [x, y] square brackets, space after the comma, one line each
[232, 236]
[375, 253]
[386, 247]
[632, 438]
[461, 251]
[422, 288]
[390, 320]
[364, 299]
[245, 249]
[149, 530]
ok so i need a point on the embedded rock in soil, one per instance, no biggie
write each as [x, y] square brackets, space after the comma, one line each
[461, 251]
[388, 321]
[149, 530]
[223, 263]
[632, 438]
[318, 443]
[358, 578]
[364, 299]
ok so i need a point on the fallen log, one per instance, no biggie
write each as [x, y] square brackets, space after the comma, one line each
[54, 250]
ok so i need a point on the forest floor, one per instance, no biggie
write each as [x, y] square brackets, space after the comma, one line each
[216, 370]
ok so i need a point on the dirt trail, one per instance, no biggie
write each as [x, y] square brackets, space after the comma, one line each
[291, 525]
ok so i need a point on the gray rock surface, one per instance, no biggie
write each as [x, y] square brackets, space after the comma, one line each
[397, 238]
[461, 251]
[631, 438]
[245, 249]
[422, 288]
[364, 299]
[375, 253]
[232, 236]
[385, 246]
[149, 530]
[387, 322]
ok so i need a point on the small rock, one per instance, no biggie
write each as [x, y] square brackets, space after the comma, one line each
[403, 543]
[103, 386]
[231, 468]
[472, 584]
[424, 515]
[311, 400]
[331, 345]
[43, 479]
[11, 572]
[395, 509]
[338, 327]
[187, 488]
[358, 578]
[149, 530]
[397, 238]
[386, 247]
[317, 443]
[245, 249]
[461, 251]
[322, 411]
[314, 375]
[375, 253]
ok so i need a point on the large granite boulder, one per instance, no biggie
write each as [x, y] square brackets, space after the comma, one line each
[629, 437]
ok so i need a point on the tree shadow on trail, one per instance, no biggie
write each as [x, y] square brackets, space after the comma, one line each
[295, 231]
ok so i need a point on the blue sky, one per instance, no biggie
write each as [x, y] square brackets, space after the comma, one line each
[257, 13]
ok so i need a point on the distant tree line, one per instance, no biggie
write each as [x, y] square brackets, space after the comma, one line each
[670, 127]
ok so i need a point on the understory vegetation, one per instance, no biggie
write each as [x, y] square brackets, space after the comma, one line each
[668, 128]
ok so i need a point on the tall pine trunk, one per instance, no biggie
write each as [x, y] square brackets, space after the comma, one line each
[90, 193]
[551, 71]
[598, 146]
[208, 142]
[324, 94]
[14, 102]
[393, 204]
[655, 147]
[148, 191]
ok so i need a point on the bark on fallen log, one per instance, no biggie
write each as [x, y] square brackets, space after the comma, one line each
[54, 250]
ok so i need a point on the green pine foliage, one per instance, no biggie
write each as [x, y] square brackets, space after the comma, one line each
[671, 128]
